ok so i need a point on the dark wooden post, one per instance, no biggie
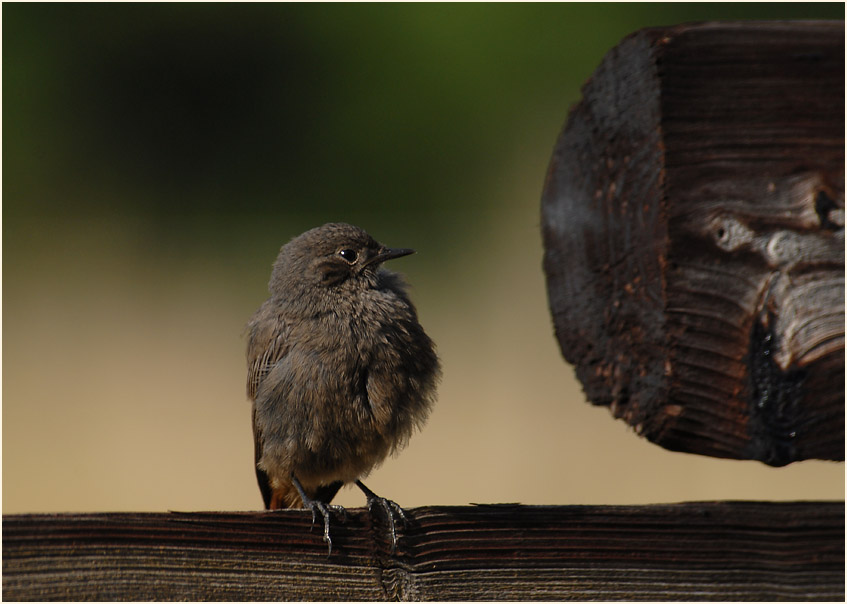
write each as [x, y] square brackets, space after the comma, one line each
[693, 223]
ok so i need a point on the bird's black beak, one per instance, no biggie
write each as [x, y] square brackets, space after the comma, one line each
[387, 253]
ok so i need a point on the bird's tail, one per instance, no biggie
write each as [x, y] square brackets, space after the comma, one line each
[286, 495]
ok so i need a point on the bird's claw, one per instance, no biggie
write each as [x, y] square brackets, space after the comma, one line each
[319, 506]
[390, 507]
[324, 509]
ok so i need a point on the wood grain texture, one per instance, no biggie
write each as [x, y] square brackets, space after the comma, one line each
[690, 551]
[693, 223]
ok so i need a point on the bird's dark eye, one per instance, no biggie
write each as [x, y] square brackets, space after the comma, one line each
[349, 255]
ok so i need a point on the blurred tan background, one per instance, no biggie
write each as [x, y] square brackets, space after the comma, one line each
[155, 158]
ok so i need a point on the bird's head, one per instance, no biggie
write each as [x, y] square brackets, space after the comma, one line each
[337, 257]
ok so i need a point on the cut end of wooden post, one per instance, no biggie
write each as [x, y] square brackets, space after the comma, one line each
[693, 226]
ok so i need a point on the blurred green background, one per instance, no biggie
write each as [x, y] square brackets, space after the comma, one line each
[155, 158]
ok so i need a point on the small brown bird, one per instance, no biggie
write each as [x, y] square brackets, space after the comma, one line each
[340, 372]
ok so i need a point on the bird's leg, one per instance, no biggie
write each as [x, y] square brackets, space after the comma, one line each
[320, 506]
[390, 508]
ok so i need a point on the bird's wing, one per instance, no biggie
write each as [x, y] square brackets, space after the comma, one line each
[265, 347]
[261, 475]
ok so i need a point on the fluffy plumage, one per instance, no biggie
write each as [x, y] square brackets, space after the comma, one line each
[340, 372]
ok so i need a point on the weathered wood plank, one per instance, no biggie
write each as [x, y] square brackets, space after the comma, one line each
[690, 551]
[693, 222]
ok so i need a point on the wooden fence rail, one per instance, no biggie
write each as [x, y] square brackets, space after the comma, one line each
[688, 551]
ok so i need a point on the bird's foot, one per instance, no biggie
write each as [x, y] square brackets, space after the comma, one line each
[324, 509]
[390, 507]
